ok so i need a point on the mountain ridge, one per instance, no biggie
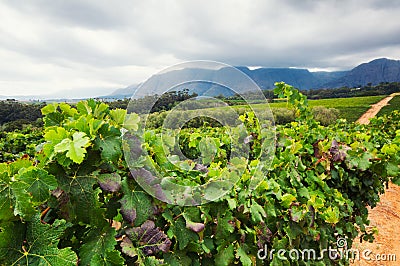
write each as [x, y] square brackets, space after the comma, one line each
[373, 72]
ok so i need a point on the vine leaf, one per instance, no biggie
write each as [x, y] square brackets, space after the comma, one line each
[8, 194]
[84, 204]
[257, 212]
[191, 215]
[359, 160]
[76, 148]
[118, 115]
[183, 235]
[243, 257]
[132, 121]
[98, 248]
[225, 256]
[34, 244]
[38, 183]
[331, 215]
[287, 199]
[110, 258]
[122, 119]
[150, 238]
[225, 225]
[110, 182]
[53, 137]
[20, 193]
[128, 248]
[136, 206]
[109, 143]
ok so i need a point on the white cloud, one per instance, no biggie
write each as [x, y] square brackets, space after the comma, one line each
[52, 46]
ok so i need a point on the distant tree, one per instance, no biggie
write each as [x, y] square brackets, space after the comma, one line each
[12, 110]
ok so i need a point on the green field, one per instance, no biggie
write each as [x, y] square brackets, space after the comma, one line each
[394, 104]
[350, 108]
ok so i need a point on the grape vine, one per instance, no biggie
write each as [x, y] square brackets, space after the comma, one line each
[74, 200]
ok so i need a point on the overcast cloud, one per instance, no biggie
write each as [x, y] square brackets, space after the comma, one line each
[94, 47]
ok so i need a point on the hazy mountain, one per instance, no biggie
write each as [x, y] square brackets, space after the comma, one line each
[375, 72]
[123, 93]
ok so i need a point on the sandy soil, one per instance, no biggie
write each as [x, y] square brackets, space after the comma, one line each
[385, 250]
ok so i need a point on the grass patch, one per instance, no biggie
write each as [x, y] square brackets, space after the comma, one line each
[349, 108]
[394, 104]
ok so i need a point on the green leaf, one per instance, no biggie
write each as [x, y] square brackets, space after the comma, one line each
[109, 143]
[98, 243]
[83, 205]
[132, 121]
[113, 257]
[208, 149]
[396, 180]
[100, 110]
[23, 205]
[225, 256]
[50, 108]
[183, 235]
[38, 183]
[224, 225]
[231, 203]
[12, 235]
[29, 189]
[331, 215]
[360, 161]
[54, 137]
[35, 246]
[243, 257]
[85, 107]
[392, 169]
[136, 206]
[287, 199]
[257, 212]
[303, 192]
[177, 259]
[118, 115]
[67, 109]
[6, 205]
[76, 148]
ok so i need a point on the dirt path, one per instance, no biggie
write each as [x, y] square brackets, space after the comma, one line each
[385, 217]
[374, 110]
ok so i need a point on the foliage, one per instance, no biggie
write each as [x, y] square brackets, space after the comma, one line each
[76, 200]
[12, 110]
[20, 143]
[326, 116]
[384, 88]
[349, 108]
[160, 103]
[393, 105]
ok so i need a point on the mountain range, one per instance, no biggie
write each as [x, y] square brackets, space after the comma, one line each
[373, 73]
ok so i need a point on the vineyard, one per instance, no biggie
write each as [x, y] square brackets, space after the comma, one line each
[83, 189]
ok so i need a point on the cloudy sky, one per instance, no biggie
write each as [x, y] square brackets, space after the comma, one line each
[92, 47]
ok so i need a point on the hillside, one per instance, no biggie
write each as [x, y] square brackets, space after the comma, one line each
[374, 72]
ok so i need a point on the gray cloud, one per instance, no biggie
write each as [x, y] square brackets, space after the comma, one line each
[49, 46]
